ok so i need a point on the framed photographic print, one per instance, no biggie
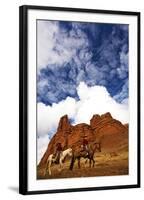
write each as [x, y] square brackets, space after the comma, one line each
[79, 99]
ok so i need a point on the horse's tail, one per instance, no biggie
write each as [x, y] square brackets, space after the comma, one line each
[72, 162]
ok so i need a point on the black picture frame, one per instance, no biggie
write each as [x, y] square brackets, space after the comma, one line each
[23, 97]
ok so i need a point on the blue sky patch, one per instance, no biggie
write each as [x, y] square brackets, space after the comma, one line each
[75, 52]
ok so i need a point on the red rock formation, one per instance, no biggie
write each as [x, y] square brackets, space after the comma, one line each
[103, 128]
[64, 124]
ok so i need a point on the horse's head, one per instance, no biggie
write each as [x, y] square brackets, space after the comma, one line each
[97, 146]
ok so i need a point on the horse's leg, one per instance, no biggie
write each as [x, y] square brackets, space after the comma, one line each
[86, 160]
[79, 162]
[60, 163]
[90, 162]
[49, 166]
[93, 162]
[73, 159]
[46, 167]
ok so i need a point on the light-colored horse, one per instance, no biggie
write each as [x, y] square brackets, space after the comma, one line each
[51, 159]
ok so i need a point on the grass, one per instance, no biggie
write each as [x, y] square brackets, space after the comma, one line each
[107, 164]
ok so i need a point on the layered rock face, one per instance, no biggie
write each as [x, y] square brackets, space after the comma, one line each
[111, 133]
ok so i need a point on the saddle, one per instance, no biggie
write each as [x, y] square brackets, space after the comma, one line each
[84, 151]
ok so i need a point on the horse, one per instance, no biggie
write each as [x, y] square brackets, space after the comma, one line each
[51, 159]
[77, 155]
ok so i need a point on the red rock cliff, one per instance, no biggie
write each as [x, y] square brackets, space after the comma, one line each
[103, 128]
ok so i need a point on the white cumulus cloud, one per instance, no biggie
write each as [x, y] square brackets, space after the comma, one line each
[56, 46]
[97, 100]
[48, 116]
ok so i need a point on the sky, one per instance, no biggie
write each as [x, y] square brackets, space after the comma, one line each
[82, 69]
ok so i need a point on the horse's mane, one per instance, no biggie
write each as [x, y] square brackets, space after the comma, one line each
[94, 146]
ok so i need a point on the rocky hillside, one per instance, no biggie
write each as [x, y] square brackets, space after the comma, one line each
[111, 133]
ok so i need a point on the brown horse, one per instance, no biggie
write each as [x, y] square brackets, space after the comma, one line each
[77, 155]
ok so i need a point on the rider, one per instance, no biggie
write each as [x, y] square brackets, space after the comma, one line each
[85, 145]
[58, 152]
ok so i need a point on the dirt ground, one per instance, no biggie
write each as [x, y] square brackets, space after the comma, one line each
[107, 164]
